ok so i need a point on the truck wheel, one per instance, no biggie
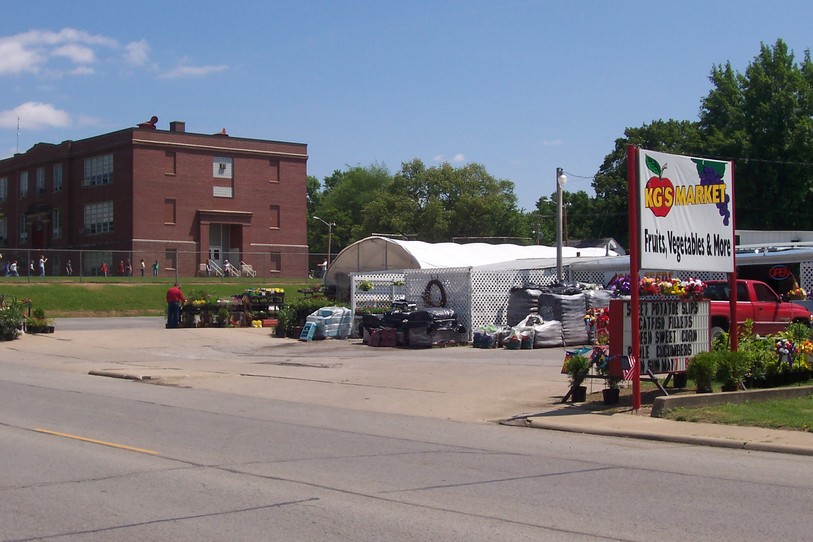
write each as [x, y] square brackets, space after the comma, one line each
[716, 331]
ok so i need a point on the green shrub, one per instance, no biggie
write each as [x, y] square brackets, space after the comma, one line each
[11, 320]
[732, 368]
[702, 369]
[577, 367]
[797, 332]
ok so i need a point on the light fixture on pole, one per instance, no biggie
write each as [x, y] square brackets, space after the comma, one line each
[561, 179]
[329, 237]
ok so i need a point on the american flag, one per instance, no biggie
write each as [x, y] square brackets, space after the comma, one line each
[623, 367]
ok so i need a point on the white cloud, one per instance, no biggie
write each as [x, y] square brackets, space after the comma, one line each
[15, 58]
[456, 159]
[137, 52]
[183, 70]
[30, 51]
[34, 116]
[551, 142]
[82, 70]
[79, 54]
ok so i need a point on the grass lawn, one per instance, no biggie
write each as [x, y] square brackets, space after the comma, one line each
[795, 414]
[137, 297]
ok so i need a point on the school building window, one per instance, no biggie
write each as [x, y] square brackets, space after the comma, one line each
[222, 168]
[273, 174]
[98, 170]
[275, 265]
[57, 177]
[171, 162]
[23, 184]
[40, 180]
[169, 211]
[22, 227]
[274, 220]
[99, 217]
[56, 223]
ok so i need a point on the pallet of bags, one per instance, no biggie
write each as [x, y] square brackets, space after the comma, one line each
[333, 322]
[545, 334]
[521, 303]
[521, 338]
[569, 309]
[369, 322]
[383, 337]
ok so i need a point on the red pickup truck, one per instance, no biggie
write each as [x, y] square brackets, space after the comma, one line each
[755, 301]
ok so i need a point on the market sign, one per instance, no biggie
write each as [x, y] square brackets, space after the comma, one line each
[672, 331]
[685, 213]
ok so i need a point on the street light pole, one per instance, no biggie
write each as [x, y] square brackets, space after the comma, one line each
[561, 179]
[329, 237]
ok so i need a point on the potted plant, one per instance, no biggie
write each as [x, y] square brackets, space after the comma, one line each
[38, 323]
[732, 368]
[366, 285]
[222, 317]
[600, 361]
[702, 369]
[576, 367]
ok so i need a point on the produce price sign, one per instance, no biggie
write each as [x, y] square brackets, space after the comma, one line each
[672, 331]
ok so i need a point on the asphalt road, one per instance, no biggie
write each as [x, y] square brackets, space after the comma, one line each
[89, 458]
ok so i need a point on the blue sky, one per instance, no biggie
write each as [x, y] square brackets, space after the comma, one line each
[521, 87]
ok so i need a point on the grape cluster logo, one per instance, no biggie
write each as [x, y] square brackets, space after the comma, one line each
[661, 194]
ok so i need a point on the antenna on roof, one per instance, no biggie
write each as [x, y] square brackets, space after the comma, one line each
[17, 149]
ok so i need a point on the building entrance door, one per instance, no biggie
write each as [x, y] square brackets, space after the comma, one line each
[218, 247]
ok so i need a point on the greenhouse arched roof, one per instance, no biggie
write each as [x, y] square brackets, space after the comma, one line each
[376, 253]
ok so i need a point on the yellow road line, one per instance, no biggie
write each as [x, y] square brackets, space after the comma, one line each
[93, 441]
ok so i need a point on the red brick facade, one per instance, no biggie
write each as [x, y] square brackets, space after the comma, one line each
[176, 198]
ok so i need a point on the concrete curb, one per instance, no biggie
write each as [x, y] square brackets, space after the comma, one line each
[662, 404]
[731, 443]
[125, 376]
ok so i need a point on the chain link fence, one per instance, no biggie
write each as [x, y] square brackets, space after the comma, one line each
[135, 265]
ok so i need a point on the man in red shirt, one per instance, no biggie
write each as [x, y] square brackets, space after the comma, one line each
[174, 299]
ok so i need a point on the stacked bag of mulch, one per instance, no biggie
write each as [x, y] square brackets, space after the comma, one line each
[522, 302]
[434, 326]
[560, 309]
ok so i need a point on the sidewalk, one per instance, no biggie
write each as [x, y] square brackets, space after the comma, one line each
[520, 388]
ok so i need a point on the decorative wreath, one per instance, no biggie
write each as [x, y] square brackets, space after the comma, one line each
[429, 299]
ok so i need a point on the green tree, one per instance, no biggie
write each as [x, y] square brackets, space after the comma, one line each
[762, 120]
[578, 218]
[314, 194]
[342, 202]
[440, 203]
[610, 183]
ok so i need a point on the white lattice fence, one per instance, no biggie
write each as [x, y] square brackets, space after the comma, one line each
[383, 289]
[806, 276]
[492, 289]
[456, 283]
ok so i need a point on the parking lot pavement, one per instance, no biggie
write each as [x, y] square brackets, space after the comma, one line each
[458, 383]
